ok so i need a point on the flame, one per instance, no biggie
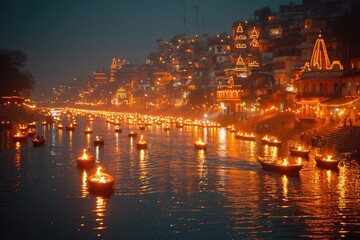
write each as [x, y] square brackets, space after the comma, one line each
[84, 156]
[285, 162]
[98, 172]
[299, 148]
[328, 158]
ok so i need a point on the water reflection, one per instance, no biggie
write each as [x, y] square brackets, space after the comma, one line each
[70, 139]
[222, 143]
[84, 184]
[100, 209]
[285, 183]
[173, 191]
[17, 155]
[201, 167]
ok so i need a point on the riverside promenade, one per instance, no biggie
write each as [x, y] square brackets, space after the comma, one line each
[335, 136]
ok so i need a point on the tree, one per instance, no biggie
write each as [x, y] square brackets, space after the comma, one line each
[14, 79]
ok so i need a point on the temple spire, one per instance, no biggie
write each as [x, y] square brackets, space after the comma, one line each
[113, 69]
[320, 58]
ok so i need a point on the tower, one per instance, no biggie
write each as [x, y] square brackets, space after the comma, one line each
[113, 69]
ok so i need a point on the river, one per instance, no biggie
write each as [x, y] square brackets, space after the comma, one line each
[170, 190]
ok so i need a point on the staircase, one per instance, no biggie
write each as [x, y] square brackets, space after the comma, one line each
[344, 139]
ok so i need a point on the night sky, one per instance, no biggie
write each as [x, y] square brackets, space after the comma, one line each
[67, 39]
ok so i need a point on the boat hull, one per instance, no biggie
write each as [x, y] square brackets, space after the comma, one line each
[324, 163]
[38, 143]
[283, 169]
[82, 163]
[300, 153]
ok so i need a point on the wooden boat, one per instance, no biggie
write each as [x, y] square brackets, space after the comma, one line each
[60, 126]
[86, 160]
[179, 125]
[132, 134]
[71, 127]
[245, 136]
[31, 132]
[232, 129]
[273, 141]
[327, 162]
[101, 182]
[299, 151]
[31, 125]
[200, 144]
[18, 137]
[280, 166]
[141, 144]
[118, 129]
[37, 142]
[99, 140]
[142, 127]
[88, 130]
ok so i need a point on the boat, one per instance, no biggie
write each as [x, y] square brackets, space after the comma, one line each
[232, 129]
[141, 144]
[280, 166]
[142, 127]
[88, 130]
[299, 151]
[31, 125]
[118, 129]
[101, 182]
[327, 162]
[271, 140]
[245, 136]
[200, 144]
[99, 140]
[31, 132]
[38, 141]
[71, 127]
[179, 125]
[132, 134]
[60, 126]
[85, 160]
[167, 127]
[19, 137]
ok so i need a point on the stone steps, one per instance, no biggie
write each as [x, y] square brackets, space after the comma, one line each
[343, 139]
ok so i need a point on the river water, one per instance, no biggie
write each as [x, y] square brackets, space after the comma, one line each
[169, 191]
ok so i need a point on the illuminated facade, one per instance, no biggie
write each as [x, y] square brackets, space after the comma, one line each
[113, 69]
[319, 84]
[228, 94]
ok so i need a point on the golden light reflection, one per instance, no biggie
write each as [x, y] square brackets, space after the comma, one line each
[285, 185]
[222, 147]
[17, 155]
[97, 154]
[88, 136]
[252, 148]
[271, 151]
[99, 211]
[143, 169]
[70, 138]
[201, 162]
[341, 188]
[84, 185]
[117, 149]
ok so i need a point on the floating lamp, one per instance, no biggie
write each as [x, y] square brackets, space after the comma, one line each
[200, 144]
[101, 182]
[141, 144]
[86, 160]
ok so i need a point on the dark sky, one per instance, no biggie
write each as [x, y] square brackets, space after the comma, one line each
[67, 39]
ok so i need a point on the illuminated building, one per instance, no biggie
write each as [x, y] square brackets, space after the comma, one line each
[113, 69]
[320, 84]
